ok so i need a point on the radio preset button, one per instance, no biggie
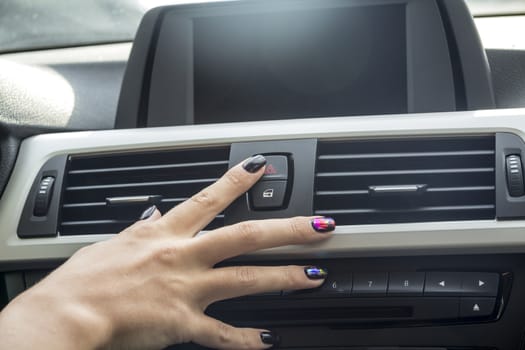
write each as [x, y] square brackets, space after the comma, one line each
[406, 283]
[373, 283]
[337, 285]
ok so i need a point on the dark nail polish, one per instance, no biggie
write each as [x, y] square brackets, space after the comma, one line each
[315, 273]
[148, 212]
[324, 224]
[254, 163]
[270, 338]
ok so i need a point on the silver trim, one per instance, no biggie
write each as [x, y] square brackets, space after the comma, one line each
[366, 240]
[131, 200]
[397, 189]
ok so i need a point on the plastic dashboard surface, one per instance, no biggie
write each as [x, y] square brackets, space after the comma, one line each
[483, 236]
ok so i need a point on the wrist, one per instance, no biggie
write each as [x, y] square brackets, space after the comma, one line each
[38, 317]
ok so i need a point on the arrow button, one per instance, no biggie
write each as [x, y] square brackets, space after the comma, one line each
[443, 284]
[484, 284]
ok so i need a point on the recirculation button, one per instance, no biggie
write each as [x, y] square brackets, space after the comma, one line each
[43, 196]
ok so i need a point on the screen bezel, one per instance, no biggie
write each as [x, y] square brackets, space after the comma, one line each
[430, 79]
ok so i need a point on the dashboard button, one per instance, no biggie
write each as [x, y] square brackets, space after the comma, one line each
[480, 284]
[340, 286]
[370, 283]
[43, 196]
[406, 283]
[476, 307]
[276, 168]
[268, 195]
[443, 283]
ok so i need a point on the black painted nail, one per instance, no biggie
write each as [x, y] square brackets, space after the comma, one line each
[148, 212]
[315, 273]
[270, 338]
[254, 163]
[323, 225]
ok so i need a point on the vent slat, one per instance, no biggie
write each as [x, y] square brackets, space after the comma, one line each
[456, 175]
[405, 172]
[415, 210]
[170, 175]
[460, 189]
[438, 189]
[147, 167]
[141, 184]
[96, 222]
[405, 155]
[113, 226]
[84, 205]
[103, 222]
[101, 204]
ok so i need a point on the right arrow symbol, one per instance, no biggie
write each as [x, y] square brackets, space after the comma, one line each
[481, 283]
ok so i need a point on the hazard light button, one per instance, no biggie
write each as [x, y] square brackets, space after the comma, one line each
[276, 168]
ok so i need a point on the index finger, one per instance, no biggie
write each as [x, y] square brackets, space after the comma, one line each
[191, 216]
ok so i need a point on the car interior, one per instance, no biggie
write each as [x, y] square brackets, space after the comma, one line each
[404, 120]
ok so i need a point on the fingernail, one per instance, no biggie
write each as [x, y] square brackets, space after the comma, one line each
[324, 224]
[254, 163]
[148, 212]
[270, 338]
[315, 273]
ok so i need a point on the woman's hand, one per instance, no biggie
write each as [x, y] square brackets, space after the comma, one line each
[148, 287]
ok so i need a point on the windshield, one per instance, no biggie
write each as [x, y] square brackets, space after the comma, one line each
[36, 24]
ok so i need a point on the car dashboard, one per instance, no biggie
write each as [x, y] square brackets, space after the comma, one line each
[429, 195]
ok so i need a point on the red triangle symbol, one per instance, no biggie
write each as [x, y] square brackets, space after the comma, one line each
[270, 170]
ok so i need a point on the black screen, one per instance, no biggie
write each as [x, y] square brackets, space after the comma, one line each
[310, 63]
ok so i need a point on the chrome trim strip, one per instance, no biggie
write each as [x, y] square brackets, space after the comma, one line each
[397, 189]
[132, 200]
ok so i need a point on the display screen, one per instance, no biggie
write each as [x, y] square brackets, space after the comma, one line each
[297, 64]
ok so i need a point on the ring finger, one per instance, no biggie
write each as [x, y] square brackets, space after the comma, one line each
[231, 282]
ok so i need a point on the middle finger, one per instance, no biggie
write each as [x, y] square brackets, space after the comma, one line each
[249, 236]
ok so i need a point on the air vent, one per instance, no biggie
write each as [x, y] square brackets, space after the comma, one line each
[406, 180]
[104, 193]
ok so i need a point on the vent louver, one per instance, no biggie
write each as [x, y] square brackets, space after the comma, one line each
[96, 185]
[406, 180]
